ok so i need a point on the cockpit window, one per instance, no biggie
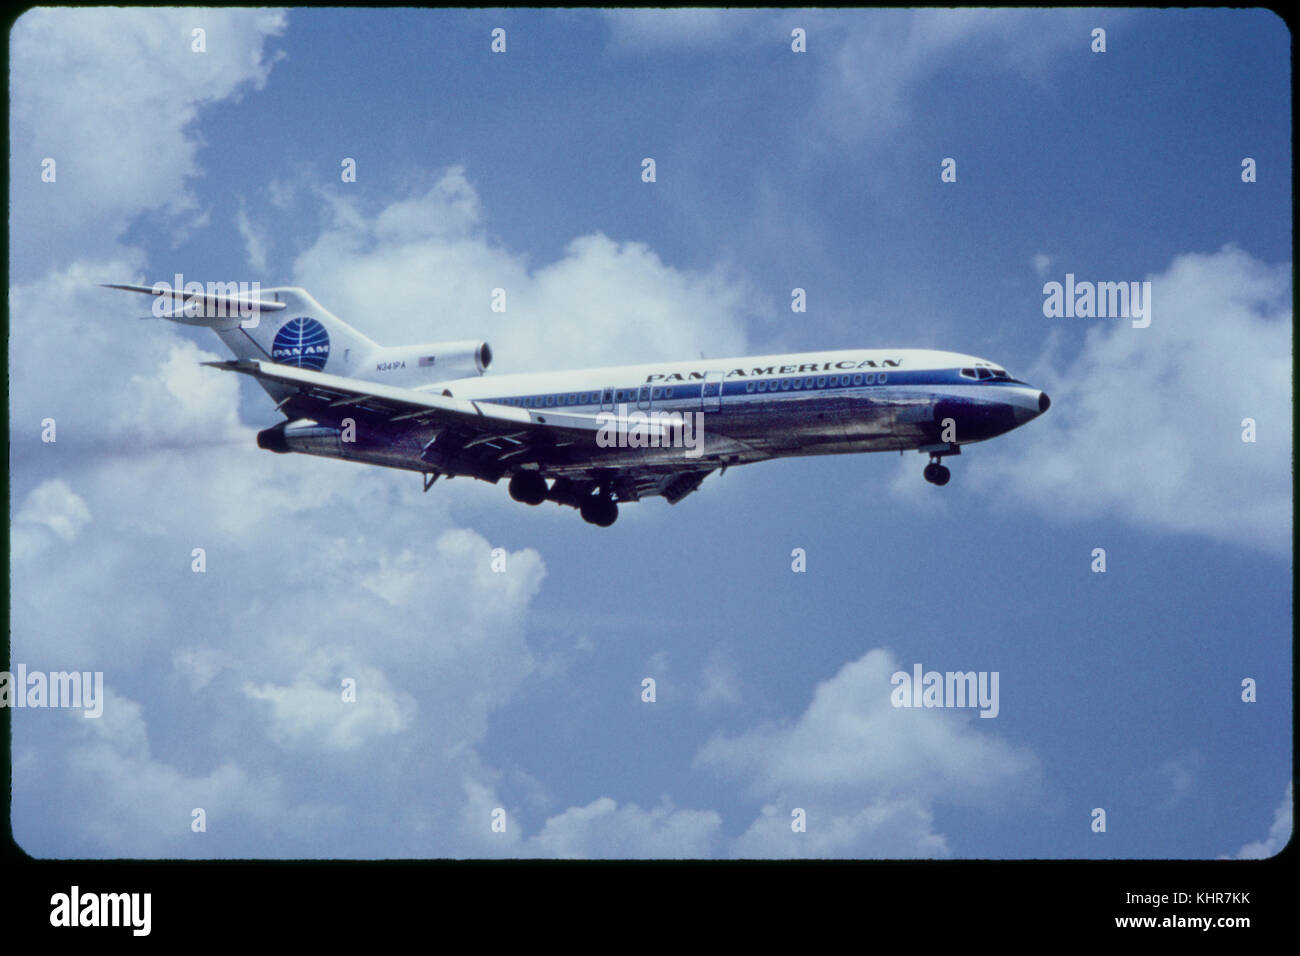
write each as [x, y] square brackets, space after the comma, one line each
[968, 372]
[984, 373]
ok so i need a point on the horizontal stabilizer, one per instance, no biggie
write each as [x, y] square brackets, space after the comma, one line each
[211, 310]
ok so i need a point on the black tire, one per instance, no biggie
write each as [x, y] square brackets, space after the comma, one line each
[528, 487]
[599, 511]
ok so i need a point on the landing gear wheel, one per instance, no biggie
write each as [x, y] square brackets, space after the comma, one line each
[936, 473]
[599, 510]
[528, 487]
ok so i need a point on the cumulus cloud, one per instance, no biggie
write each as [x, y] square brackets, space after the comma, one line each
[865, 771]
[255, 239]
[1279, 834]
[424, 268]
[604, 830]
[118, 798]
[315, 710]
[1146, 424]
[879, 61]
[239, 668]
[52, 508]
[897, 829]
[719, 682]
[112, 95]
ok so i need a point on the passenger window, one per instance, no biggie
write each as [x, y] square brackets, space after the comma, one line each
[808, 383]
[658, 392]
[882, 378]
[857, 380]
[785, 385]
[668, 392]
[821, 381]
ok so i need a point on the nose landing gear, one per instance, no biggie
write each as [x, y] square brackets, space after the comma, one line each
[936, 474]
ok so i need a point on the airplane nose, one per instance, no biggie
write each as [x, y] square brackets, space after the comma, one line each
[1028, 405]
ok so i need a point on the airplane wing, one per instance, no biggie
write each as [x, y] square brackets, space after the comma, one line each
[470, 437]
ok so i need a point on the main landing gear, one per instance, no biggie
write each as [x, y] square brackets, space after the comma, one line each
[528, 487]
[599, 509]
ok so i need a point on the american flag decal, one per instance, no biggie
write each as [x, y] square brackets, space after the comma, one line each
[426, 360]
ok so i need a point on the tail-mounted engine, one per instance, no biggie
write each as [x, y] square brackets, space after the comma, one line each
[413, 365]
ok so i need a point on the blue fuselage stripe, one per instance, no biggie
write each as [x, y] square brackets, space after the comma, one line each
[782, 384]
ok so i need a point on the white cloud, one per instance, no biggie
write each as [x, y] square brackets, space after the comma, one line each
[604, 830]
[1279, 834]
[255, 240]
[900, 828]
[636, 31]
[111, 790]
[52, 508]
[1145, 424]
[313, 713]
[423, 269]
[280, 193]
[1180, 774]
[719, 682]
[112, 95]
[864, 770]
[315, 570]
[881, 58]
[162, 462]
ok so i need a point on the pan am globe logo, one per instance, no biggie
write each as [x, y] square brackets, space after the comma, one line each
[301, 342]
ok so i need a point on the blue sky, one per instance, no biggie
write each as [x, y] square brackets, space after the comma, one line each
[522, 690]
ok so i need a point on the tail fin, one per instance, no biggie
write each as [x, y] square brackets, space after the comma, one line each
[283, 325]
[304, 334]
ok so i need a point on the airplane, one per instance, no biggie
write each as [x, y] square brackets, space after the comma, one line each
[569, 437]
